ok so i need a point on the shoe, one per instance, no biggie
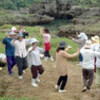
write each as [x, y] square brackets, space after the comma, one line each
[56, 87]
[34, 84]
[38, 80]
[51, 58]
[84, 89]
[62, 91]
[20, 77]
[46, 59]
[24, 71]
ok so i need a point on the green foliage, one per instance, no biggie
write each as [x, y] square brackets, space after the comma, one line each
[16, 4]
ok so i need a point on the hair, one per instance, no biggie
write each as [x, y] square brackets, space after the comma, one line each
[58, 49]
[46, 30]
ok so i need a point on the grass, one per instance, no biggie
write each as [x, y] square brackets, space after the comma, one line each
[34, 32]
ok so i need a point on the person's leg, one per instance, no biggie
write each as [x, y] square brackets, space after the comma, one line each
[34, 71]
[91, 77]
[13, 61]
[64, 81]
[85, 76]
[98, 76]
[9, 63]
[19, 62]
[59, 81]
[25, 65]
[40, 69]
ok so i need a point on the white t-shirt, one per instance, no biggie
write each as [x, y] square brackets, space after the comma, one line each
[46, 38]
[34, 56]
[88, 58]
[20, 47]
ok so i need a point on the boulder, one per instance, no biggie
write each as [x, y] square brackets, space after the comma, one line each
[25, 19]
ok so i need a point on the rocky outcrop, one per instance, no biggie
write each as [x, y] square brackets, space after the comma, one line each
[53, 9]
[25, 19]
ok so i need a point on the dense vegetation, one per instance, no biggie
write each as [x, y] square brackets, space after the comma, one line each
[16, 4]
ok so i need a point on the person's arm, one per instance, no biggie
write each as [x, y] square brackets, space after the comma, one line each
[68, 48]
[13, 42]
[27, 41]
[67, 55]
[77, 40]
[41, 50]
[41, 31]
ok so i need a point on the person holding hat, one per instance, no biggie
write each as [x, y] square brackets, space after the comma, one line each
[35, 61]
[61, 64]
[20, 53]
[10, 50]
[88, 65]
[82, 38]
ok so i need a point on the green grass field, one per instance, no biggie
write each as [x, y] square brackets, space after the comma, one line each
[34, 31]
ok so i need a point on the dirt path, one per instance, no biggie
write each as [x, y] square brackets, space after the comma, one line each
[12, 87]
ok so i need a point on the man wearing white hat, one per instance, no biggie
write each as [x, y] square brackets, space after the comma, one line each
[35, 61]
[88, 65]
[10, 50]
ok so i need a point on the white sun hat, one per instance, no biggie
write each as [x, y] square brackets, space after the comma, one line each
[88, 44]
[12, 33]
[83, 36]
[34, 40]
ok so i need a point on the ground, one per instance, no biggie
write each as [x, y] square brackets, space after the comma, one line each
[11, 86]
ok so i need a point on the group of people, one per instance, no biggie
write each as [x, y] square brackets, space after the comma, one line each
[16, 54]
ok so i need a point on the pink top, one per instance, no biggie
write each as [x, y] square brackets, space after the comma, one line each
[46, 38]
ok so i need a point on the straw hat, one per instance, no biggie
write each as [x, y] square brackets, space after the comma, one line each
[96, 39]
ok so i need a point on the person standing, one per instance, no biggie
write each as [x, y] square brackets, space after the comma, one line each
[10, 50]
[98, 67]
[61, 65]
[88, 65]
[46, 37]
[20, 53]
[35, 61]
[82, 38]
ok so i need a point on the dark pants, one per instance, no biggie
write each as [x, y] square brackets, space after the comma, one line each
[88, 76]
[11, 61]
[47, 54]
[62, 81]
[35, 70]
[21, 64]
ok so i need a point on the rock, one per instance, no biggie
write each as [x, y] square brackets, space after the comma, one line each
[25, 19]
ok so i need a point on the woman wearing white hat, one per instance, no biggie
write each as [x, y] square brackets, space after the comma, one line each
[35, 61]
[88, 65]
[20, 53]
